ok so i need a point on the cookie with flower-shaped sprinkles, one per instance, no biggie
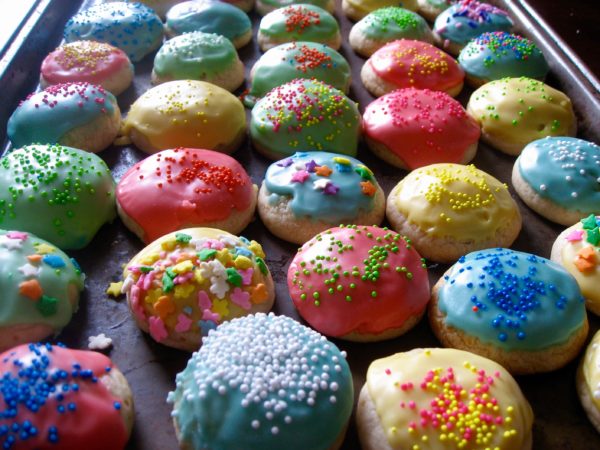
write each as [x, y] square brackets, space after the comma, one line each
[559, 178]
[441, 399]
[359, 283]
[301, 22]
[187, 282]
[357, 9]
[407, 63]
[265, 381]
[513, 112]
[521, 310]
[304, 115]
[499, 54]
[588, 381]
[448, 210]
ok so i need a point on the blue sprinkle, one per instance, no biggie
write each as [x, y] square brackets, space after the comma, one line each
[54, 261]
[117, 405]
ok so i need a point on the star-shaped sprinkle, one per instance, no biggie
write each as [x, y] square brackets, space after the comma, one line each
[593, 236]
[586, 259]
[114, 289]
[30, 289]
[321, 183]
[323, 171]
[311, 166]
[285, 163]
[100, 342]
[589, 223]
[300, 176]
[574, 236]
[47, 306]
[44, 249]
[368, 188]
[9, 243]
[331, 189]
[29, 271]
[17, 235]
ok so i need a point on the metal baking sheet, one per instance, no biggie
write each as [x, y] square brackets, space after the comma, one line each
[150, 368]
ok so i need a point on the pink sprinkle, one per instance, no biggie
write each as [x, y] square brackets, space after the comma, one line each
[388, 372]
[136, 306]
[204, 301]
[412, 404]
[157, 328]
[241, 298]
[246, 276]
[17, 235]
[180, 279]
[214, 244]
[575, 236]
[207, 314]
[148, 280]
[300, 176]
[183, 323]
[140, 281]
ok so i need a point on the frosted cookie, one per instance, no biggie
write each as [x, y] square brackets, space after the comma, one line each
[312, 191]
[304, 115]
[245, 5]
[133, 27]
[465, 20]
[287, 62]
[60, 194]
[588, 382]
[406, 63]
[183, 188]
[386, 25]
[411, 128]
[287, 380]
[521, 310]
[559, 178]
[63, 398]
[577, 249]
[440, 399]
[513, 112]
[499, 54]
[186, 113]
[40, 288]
[159, 6]
[359, 283]
[80, 115]
[187, 282]
[263, 7]
[199, 56]
[301, 22]
[357, 9]
[448, 210]
[430, 9]
[87, 61]
[210, 16]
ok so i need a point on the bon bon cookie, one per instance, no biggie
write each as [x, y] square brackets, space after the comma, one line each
[185, 283]
[357, 9]
[263, 7]
[183, 188]
[310, 192]
[448, 210]
[60, 194]
[266, 381]
[359, 283]
[430, 9]
[521, 310]
[588, 381]
[559, 178]
[442, 398]
[513, 112]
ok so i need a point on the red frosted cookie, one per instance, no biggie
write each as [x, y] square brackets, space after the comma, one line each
[412, 128]
[360, 283]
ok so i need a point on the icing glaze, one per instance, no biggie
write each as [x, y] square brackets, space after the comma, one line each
[305, 115]
[302, 22]
[84, 61]
[420, 126]
[393, 22]
[521, 110]
[468, 19]
[591, 369]
[179, 188]
[287, 62]
[46, 116]
[445, 398]
[37, 282]
[301, 381]
[195, 55]
[407, 63]
[186, 113]
[191, 280]
[563, 170]
[53, 398]
[60, 194]
[324, 186]
[499, 54]
[457, 201]
[208, 16]
[513, 300]
[364, 7]
[580, 255]
[132, 27]
[360, 279]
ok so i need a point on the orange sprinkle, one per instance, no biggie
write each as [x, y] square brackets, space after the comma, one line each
[164, 306]
[31, 289]
[259, 293]
[588, 254]
[34, 258]
[368, 188]
[323, 171]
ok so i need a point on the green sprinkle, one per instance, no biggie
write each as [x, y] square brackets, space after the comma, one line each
[183, 238]
[47, 306]
[233, 277]
[206, 253]
[167, 283]
[262, 266]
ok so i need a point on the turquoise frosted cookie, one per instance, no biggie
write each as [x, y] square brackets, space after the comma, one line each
[199, 56]
[559, 178]
[210, 16]
[385, 25]
[80, 115]
[264, 7]
[287, 62]
[467, 19]
[499, 54]
[310, 192]
[266, 381]
[304, 115]
[132, 27]
[301, 22]
[523, 311]
[61, 194]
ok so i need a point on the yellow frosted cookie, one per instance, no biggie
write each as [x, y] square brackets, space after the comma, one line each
[448, 210]
[588, 381]
[442, 398]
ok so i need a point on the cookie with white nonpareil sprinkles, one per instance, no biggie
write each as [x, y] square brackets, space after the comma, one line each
[263, 381]
[521, 310]
[588, 381]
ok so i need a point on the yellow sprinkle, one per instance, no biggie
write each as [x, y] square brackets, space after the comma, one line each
[224, 257]
[183, 267]
[44, 249]
[149, 259]
[241, 262]
[256, 249]
[183, 291]
[114, 290]
[169, 244]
